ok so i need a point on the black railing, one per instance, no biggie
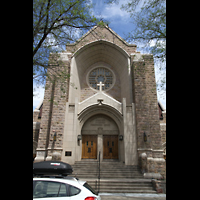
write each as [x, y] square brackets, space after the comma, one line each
[99, 171]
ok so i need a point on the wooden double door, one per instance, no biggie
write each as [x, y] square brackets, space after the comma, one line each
[110, 147]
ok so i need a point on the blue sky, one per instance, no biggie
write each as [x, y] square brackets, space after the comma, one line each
[120, 22]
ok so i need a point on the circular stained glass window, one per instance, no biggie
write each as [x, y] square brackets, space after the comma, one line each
[101, 74]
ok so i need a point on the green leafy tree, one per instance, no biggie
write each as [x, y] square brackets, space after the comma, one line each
[149, 29]
[149, 25]
[56, 23]
[149, 32]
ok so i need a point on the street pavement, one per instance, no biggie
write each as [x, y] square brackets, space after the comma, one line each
[128, 196]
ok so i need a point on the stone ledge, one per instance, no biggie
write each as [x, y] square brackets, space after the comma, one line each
[156, 159]
[152, 175]
[36, 125]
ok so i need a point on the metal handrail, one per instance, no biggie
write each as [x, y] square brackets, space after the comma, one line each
[99, 172]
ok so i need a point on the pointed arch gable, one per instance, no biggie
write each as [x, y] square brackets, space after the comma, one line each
[105, 42]
[94, 109]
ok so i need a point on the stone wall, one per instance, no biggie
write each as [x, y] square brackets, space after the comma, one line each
[141, 103]
[147, 117]
[53, 109]
[147, 114]
[163, 127]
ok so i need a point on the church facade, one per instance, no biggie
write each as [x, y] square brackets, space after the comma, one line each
[108, 106]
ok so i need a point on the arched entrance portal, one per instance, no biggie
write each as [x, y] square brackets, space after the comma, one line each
[100, 133]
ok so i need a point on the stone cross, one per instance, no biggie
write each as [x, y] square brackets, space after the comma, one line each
[100, 86]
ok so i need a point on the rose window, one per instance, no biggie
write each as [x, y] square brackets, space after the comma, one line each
[98, 75]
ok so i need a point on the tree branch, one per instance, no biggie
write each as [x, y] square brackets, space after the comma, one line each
[46, 30]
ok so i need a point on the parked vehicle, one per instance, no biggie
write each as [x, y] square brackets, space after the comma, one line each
[53, 184]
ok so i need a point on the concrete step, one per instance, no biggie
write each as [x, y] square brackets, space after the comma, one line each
[108, 175]
[107, 164]
[127, 191]
[123, 187]
[116, 177]
[113, 175]
[136, 184]
[104, 168]
[106, 171]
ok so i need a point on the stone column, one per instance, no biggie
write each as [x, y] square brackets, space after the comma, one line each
[125, 130]
[56, 156]
[100, 147]
[135, 154]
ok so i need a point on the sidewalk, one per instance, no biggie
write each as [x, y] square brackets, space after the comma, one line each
[131, 196]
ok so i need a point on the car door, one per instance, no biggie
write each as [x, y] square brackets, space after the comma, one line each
[50, 190]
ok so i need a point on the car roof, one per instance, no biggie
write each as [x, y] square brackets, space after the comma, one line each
[71, 181]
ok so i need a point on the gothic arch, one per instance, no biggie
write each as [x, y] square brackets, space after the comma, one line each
[105, 42]
[109, 111]
[102, 52]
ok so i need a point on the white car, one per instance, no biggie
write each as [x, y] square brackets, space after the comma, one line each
[68, 188]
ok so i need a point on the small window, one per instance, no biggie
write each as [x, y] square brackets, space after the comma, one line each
[73, 190]
[63, 191]
[53, 189]
[46, 189]
[91, 143]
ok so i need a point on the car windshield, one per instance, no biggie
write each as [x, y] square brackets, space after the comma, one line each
[86, 185]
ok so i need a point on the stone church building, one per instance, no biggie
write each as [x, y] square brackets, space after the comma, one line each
[108, 105]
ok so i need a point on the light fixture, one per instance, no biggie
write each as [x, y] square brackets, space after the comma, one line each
[79, 137]
[120, 137]
[145, 137]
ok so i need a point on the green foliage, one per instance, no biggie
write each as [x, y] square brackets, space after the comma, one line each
[149, 28]
[149, 25]
[55, 24]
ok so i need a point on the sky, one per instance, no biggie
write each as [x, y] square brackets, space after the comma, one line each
[120, 22]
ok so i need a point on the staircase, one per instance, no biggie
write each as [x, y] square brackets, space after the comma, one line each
[116, 177]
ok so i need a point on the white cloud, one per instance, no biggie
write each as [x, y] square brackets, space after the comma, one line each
[115, 11]
[158, 42]
[111, 12]
[160, 75]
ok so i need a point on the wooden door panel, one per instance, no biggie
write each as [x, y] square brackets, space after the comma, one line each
[110, 147]
[115, 147]
[106, 143]
[89, 146]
